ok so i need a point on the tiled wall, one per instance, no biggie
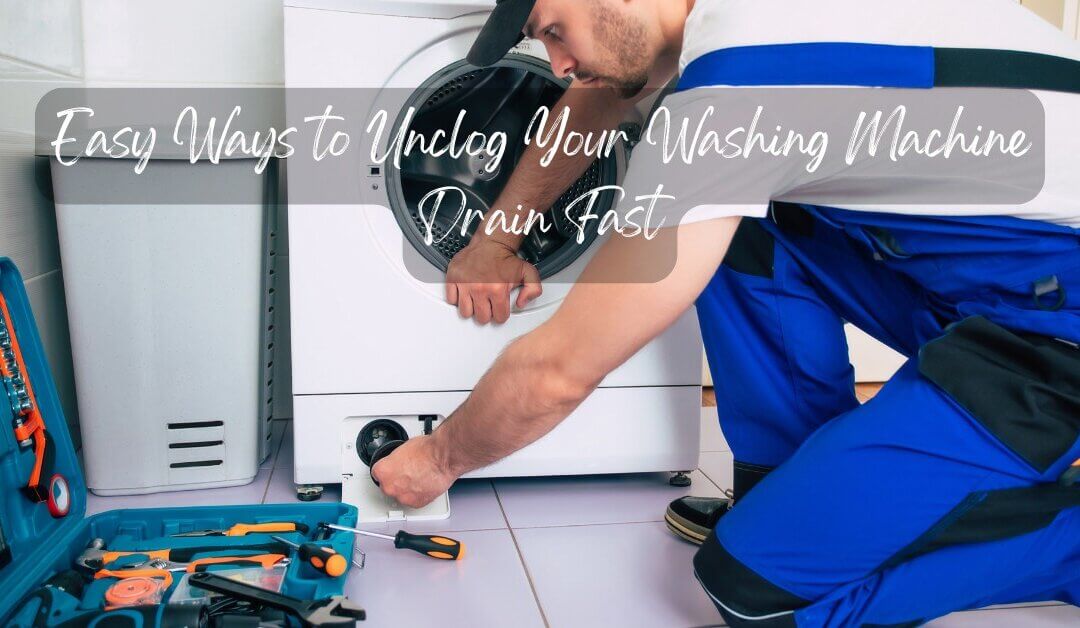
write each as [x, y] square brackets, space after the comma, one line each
[40, 49]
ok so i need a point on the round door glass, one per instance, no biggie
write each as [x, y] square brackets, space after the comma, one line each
[505, 98]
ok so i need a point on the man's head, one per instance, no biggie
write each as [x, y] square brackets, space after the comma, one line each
[606, 42]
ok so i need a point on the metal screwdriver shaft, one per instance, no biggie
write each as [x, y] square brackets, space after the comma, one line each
[435, 546]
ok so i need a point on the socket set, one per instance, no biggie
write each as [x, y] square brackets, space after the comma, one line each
[43, 485]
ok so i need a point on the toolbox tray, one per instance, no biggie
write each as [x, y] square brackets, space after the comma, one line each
[42, 546]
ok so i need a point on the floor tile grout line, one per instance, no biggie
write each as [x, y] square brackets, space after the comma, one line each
[590, 524]
[1022, 605]
[711, 481]
[273, 468]
[266, 489]
[521, 557]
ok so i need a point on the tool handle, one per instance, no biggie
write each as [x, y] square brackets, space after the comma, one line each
[186, 554]
[265, 560]
[244, 529]
[108, 557]
[324, 559]
[434, 546]
[120, 574]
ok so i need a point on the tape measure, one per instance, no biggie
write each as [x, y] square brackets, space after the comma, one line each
[134, 592]
[59, 497]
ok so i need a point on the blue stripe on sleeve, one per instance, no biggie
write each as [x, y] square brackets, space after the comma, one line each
[825, 63]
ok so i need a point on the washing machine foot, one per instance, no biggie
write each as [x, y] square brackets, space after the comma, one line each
[680, 479]
[308, 492]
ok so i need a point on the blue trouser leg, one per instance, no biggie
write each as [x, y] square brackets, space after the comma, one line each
[873, 515]
[825, 535]
[775, 341]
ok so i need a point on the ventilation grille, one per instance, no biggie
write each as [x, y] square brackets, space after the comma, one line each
[450, 88]
[447, 246]
[196, 450]
[587, 182]
[267, 394]
[268, 328]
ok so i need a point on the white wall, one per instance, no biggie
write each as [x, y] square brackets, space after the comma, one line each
[40, 49]
[194, 42]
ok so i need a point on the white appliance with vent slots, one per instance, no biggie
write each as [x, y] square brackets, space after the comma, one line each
[372, 341]
[171, 317]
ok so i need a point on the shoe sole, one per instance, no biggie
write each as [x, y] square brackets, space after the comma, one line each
[684, 529]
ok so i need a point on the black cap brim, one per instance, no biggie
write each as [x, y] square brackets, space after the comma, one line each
[501, 32]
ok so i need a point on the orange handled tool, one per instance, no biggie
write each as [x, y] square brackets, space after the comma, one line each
[43, 485]
[123, 574]
[266, 561]
[157, 566]
[244, 529]
[94, 558]
[435, 546]
[324, 559]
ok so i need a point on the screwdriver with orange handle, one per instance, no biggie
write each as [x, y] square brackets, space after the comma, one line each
[324, 559]
[435, 546]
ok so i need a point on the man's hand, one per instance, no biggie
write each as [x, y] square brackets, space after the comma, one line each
[481, 276]
[412, 473]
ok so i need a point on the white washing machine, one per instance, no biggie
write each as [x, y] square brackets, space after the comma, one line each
[372, 336]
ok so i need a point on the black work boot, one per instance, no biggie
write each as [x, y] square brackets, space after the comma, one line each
[693, 518]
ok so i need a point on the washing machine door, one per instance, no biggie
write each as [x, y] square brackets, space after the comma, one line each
[428, 92]
[501, 102]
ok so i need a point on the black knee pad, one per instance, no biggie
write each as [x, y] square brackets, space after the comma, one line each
[751, 250]
[747, 477]
[744, 598]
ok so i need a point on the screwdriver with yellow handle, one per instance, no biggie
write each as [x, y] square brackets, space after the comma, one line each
[434, 546]
[244, 529]
[324, 559]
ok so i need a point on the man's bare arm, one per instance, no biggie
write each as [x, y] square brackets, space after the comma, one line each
[481, 276]
[544, 375]
[534, 186]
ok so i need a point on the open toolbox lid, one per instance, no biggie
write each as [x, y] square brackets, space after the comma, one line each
[31, 532]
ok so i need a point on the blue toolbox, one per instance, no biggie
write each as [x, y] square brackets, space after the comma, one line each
[212, 566]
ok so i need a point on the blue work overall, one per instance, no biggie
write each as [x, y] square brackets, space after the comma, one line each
[940, 494]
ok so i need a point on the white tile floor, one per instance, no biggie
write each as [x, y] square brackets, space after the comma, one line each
[557, 552]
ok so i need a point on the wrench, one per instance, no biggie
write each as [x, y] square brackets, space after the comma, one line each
[331, 611]
[95, 556]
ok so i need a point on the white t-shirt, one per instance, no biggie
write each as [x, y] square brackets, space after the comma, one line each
[993, 24]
